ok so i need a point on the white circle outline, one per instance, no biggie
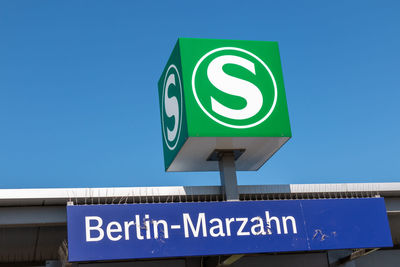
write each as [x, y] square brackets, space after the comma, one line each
[211, 116]
[181, 108]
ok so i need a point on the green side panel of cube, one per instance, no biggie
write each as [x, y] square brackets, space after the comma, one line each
[172, 107]
[234, 88]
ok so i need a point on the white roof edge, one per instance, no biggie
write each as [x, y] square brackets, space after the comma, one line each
[73, 193]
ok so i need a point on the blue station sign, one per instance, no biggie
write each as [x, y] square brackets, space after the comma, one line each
[132, 231]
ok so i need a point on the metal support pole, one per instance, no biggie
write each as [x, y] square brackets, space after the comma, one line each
[230, 260]
[227, 170]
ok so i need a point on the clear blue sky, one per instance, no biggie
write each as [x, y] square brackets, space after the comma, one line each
[79, 100]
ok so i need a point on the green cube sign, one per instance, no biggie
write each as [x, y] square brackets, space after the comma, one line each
[222, 95]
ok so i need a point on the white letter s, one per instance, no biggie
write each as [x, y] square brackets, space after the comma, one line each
[234, 86]
[171, 108]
